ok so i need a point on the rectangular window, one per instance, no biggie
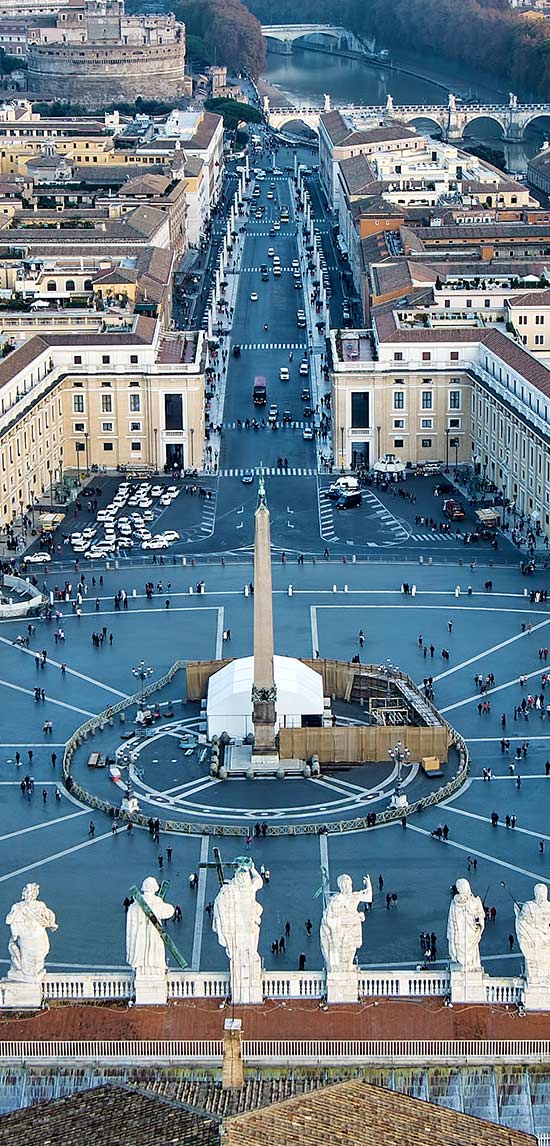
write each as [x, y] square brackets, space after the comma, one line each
[78, 360]
[454, 423]
[427, 399]
[399, 399]
[134, 359]
[539, 339]
[80, 447]
[105, 358]
[426, 423]
[79, 427]
[135, 427]
[106, 403]
[539, 320]
[359, 411]
[107, 446]
[136, 446]
[78, 403]
[454, 399]
[107, 427]
[135, 404]
[398, 443]
[173, 411]
[426, 443]
[398, 423]
[397, 356]
[426, 355]
[454, 355]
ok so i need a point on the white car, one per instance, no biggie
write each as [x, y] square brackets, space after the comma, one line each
[284, 374]
[270, 252]
[125, 543]
[145, 503]
[254, 296]
[75, 537]
[38, 558]
[170, 535]
[172, 491]
[307, 434]
[148, 515]
[156, 491]
[155, 543]
[166, 500]
[126, 530]
[81, 546]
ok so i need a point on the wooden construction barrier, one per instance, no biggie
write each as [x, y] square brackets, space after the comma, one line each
[360, 744]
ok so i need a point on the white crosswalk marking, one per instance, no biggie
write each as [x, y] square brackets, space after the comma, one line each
[272, 345]
[289, 426]
[271, 471]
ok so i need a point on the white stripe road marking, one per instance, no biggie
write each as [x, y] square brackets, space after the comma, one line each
[56, 855]
[314, 630]
[494, 649]
[482, 855]
[323, 848]
[199, 906]
[46, 824]
[501, 824]
[70, 671]
[219, 634]
[60, 703]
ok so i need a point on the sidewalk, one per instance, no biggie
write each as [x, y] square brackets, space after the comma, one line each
[316, 348]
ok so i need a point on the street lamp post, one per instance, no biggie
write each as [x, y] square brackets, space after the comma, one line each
[192, 433]
[447, 432]
[399, 756]
[142, 674]
[342, 454]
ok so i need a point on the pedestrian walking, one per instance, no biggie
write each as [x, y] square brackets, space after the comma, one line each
[302, 962]
[91, 829]
[511, 941]
[287, 928]
[308, 926]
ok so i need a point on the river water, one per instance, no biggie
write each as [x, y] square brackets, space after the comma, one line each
[305, 76]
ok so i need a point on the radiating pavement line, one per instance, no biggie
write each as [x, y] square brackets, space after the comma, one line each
[314, 630]
[477, 696]
[325, 868]
[45, 824]
[55, 856]
[494, 649]
[219, 636]
[70, 671]
[199, 906]
[501, 824]
[50, 700]
[481, 855]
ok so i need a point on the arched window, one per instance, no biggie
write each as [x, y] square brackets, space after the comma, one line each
[69, 285]
[88, 285]
[51, 285]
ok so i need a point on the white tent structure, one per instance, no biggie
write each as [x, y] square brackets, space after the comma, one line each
[229, 700]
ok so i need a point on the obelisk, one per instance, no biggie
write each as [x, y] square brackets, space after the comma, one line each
[264, 691]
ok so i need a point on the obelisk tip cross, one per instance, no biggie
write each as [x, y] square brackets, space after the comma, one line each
[261, 488]
[264, 692]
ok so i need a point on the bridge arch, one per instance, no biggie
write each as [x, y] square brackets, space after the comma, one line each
[545, 126]
[422, 122]
[489, 118]
[294, 125]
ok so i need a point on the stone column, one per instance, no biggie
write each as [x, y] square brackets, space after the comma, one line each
[342, 987]
[151, 990]
[467, 986]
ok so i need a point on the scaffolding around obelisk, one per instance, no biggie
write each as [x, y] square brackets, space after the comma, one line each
[264, 690]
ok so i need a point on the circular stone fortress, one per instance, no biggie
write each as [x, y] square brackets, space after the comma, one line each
[94, 44]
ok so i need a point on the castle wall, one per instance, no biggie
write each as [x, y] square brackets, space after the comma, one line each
[93, 75]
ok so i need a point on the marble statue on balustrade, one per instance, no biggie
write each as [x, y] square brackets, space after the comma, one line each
[29, 920]
[145, 951]
[341, 925]
[533, 932]
[236, 922]
[465, 927]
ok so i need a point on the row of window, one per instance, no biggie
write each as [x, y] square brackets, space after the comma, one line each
[108, 447]
[107, 427]
[426, 399]
[107, 403]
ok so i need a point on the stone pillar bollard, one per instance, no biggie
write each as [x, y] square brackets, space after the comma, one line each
[413, 591]
[246, 590]
[290, 591]
[191, 590]
[346, 588]
[457, 591]
[134, 592]
[334, 588]
[184, 560]
[122, 717]
[421, 560]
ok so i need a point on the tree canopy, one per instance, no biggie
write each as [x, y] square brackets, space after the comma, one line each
[233, 112]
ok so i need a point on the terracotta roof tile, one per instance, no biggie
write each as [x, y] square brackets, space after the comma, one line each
[356, 1112]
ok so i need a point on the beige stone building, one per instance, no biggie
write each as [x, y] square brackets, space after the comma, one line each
[445, 394]
[72, 401]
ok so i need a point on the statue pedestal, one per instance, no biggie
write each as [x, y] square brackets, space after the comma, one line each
[467, 986]
[21, 996]
[342, 986]
[399, 802]
[151, 990]
[247, 990]
[536, 996]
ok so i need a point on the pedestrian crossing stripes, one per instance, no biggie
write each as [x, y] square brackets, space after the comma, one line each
[273, 345]
[287, 425]
[253, 270]
[271, 471]
[433, 537]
